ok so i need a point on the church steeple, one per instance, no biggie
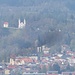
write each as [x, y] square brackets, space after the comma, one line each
[21, 24]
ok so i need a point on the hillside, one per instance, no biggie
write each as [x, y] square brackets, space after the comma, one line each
[44, 19]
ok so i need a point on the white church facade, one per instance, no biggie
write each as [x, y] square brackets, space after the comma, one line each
[21, 24]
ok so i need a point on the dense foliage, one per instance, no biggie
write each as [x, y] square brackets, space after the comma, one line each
[44, 19]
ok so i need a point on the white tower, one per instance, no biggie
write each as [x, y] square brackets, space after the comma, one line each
[21, 24]
[24, 22]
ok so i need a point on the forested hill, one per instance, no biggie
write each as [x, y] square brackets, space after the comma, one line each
[44, 18]
[21, 2]
[24, 2]
[35, 2]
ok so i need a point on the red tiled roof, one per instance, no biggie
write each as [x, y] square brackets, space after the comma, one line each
[11, 66]
[25, 59]
[5, 22]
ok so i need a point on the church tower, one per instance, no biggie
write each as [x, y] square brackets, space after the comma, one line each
[24, 22]
[21, 24]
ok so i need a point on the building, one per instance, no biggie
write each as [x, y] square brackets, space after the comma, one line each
[21, 24]
[68, 73]
[12, 61]
[43, 49]
[7, 72]
[5, 24]
[52, 73]
[21, 60]
[34, 74]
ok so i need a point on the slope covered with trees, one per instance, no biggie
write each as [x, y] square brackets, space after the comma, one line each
[44, 19]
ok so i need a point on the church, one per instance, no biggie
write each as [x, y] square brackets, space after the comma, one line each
[20, 24]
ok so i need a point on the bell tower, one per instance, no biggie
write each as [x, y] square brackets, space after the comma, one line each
[21, 24]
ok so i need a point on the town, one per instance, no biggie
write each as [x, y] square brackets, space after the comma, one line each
[41, 63]
[37, 37]
[47, 64]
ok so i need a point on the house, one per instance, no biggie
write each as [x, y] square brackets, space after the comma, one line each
[71, 60]
[12, 61]
[34, 58]
[34, 74]
[5, 24]
[7, 72]
[20, 60]
[52, 73]
[43, 49]
[68, 73]
[23, 60]
[10, 67]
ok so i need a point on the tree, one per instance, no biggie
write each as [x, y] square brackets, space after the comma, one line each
[44, 69]
[56, 67]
